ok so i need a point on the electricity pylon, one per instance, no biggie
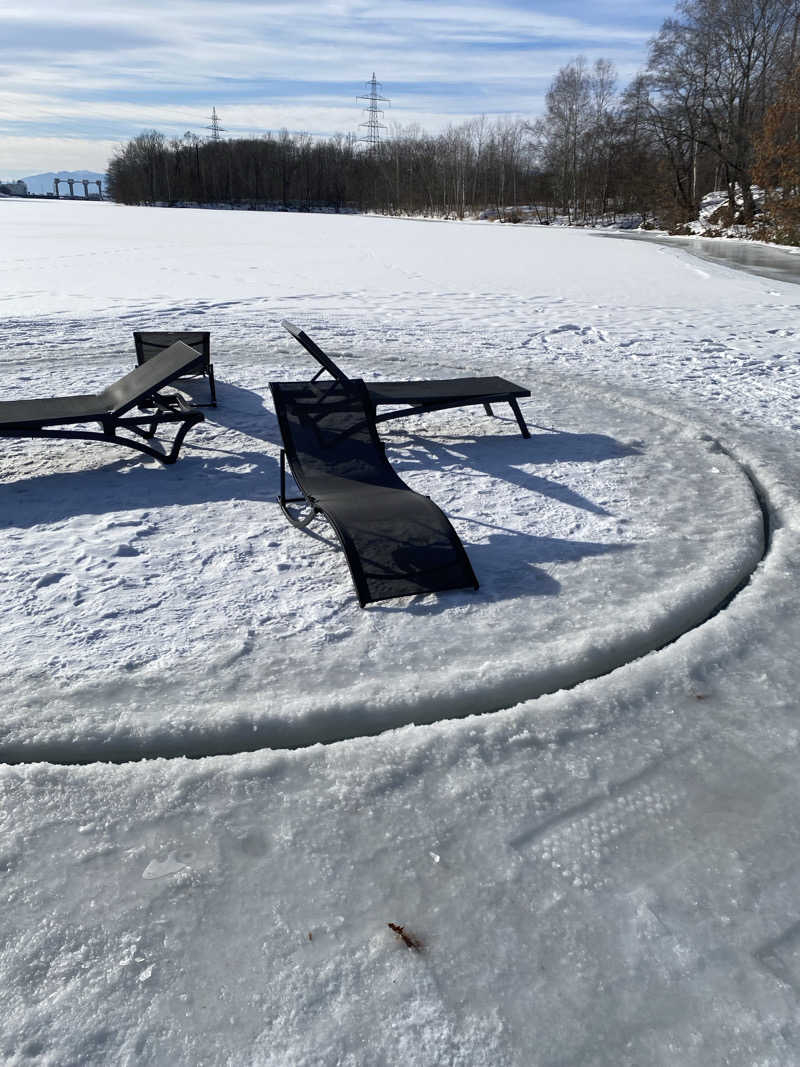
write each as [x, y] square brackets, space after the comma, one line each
[374, 113]
[215, 127]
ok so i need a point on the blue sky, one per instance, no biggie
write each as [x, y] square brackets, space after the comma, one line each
[79, 77]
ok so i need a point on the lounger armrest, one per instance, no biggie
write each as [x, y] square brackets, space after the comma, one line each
[169, 402]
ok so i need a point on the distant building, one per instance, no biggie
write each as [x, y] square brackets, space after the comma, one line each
[13, 189]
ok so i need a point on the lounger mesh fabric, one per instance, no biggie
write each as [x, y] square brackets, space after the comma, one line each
[460, 390]
[51, 410]
[425, 395]
[397, 542]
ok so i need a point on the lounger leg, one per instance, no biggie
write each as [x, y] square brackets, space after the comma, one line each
[211, 385]
[184, 428]
[488, 409]
[520, 421]
[186, 422]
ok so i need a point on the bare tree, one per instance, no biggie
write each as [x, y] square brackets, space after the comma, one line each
[712, 71]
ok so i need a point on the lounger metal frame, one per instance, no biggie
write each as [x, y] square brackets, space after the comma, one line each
[144, 426]
[283, 500]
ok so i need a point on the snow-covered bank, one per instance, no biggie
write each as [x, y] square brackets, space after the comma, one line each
[606, 875]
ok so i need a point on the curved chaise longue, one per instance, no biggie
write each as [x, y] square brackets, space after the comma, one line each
[396, 541]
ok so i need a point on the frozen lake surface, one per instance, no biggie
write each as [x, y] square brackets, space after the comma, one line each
[577, 787]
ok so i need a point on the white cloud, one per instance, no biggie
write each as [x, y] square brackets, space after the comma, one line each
[167, 64]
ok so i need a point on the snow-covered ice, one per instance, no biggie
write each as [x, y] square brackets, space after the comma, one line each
[573, 786]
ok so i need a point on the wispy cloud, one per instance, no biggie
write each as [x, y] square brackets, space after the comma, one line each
[93, 74]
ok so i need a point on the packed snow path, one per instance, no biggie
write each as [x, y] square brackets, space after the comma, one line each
[605, 875]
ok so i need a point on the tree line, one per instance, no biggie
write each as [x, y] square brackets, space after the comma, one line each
[479, 164]
[717, 107]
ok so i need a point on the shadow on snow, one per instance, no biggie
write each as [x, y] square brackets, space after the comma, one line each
[206, 474]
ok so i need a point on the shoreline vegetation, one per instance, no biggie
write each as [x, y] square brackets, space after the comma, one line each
[715, 112]
[523, 214]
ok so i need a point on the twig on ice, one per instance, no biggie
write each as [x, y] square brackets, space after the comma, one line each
[408, 939]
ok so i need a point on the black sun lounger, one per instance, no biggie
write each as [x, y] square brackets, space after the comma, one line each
[397, 542]
[422, 396]
[150, 344]
[62, 416]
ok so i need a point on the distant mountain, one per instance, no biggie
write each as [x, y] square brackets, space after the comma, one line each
[43, 183]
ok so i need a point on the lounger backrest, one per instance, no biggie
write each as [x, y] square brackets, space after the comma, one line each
[329, 433]
[148, 378]
[149, 344]
[313, 349]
